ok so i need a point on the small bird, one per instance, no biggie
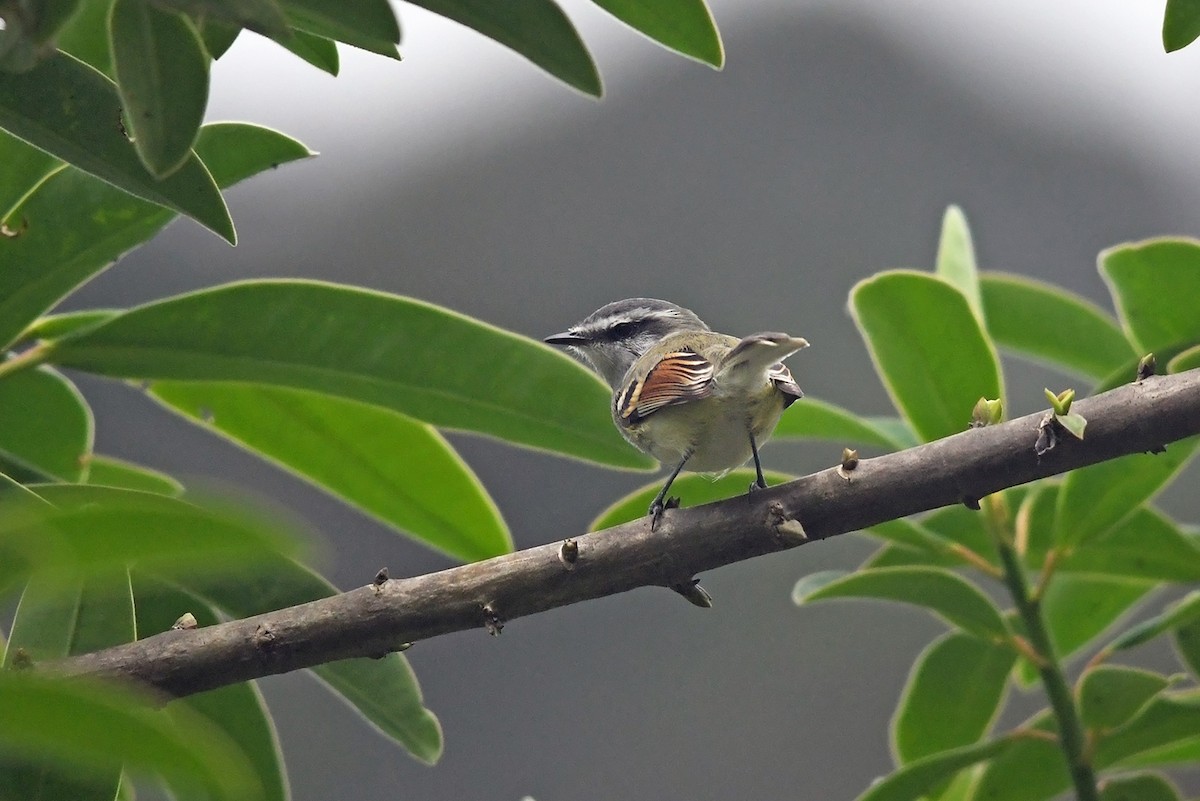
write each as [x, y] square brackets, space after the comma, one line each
[683, 393]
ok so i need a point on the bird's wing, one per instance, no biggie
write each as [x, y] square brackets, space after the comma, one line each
[676, 378]
[781, 376]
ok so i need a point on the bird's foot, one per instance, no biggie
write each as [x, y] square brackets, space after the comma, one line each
[756, 485]
[658, 507]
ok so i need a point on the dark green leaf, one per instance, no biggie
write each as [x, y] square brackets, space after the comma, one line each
[1109, 695]
[1185, 360]
[915, 780]
[537, 29]
[964, 526]
[954, 693]
[237, 710]
[905, 556]
[369, 24]
[809, 418]
[1143, 787]
[1183, 612]
[956, 258]
[260, 16]
[1049, 324]
[78, 530]
[384, 691]
[946, 594]
[1095, 499]
[45, 422]
[691, 488]
[86, 35]
[685, 26]
[912, 535]
[1145, 545]
[418, 359]
[55, 620]
[316, 50]
[399, 470]
[109, 472]
[1181, 24]
[162, 76]
[1184, 751]
[42, 265]
[1078, 608]
[928, 347]
[1031, 770]
[25, 167]
[30, 30]
[73, 112]
[96, 727]
[1187, 644]
[217, 36]
[1153, 284]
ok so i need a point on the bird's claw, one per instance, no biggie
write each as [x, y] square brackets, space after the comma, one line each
[658, 507]
[755, 486]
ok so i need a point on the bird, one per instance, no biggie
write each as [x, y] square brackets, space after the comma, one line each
[685, 394]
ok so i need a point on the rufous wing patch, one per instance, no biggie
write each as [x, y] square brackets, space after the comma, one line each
[677, 378]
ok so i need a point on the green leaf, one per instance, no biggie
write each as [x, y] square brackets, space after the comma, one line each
[384, 691]
[930, 352]
[110, 472]
[1181, 24]
[965, 526]
[43, 265]
[1187, 644]
[897, 430]
[685, 26]
[1031, 770]
[1186, 360]
[809, 418]
[95, 727]
[55, 620]
[945, 594]
[25, 167]
[45, 422]
[368, 24]
[29, 32]
[905, 532]
[86, 35]
[1095, 499]
[537, 29]
[261, 16]
[70, 110]
[59, 325]
[1073, 422]
[217, 36]
[1146, 545]
[237, 710]
[418, 359]
[1049, 324]
[1142, 787]
[162, 76]
[1184, 751]
[399, 470]
[915, 780]
[692, 489]
[1168, 719]
[316, 50]
[1153, 284]
[1109, 695]
[953, 696]
[1183, 612]
[956, 259]
[1079, 607]
[78, 530]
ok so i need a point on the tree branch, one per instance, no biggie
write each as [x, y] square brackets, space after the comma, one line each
[374, 620]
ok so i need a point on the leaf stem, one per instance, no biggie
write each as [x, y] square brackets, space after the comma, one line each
[30, 357]
[1071, 735]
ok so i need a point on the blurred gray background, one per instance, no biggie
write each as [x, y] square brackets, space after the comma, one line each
[826, 150]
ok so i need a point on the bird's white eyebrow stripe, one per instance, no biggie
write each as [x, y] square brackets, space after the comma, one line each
[639, 313]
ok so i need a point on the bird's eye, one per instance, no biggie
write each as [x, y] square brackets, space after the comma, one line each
[624, 330]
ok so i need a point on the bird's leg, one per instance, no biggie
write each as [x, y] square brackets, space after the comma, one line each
[661, 502]
[760, 482]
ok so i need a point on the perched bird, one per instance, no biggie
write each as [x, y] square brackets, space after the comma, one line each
[683, 393]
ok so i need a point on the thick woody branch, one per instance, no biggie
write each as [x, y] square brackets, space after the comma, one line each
[375, 619]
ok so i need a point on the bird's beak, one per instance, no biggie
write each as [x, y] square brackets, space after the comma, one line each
[565, 338]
